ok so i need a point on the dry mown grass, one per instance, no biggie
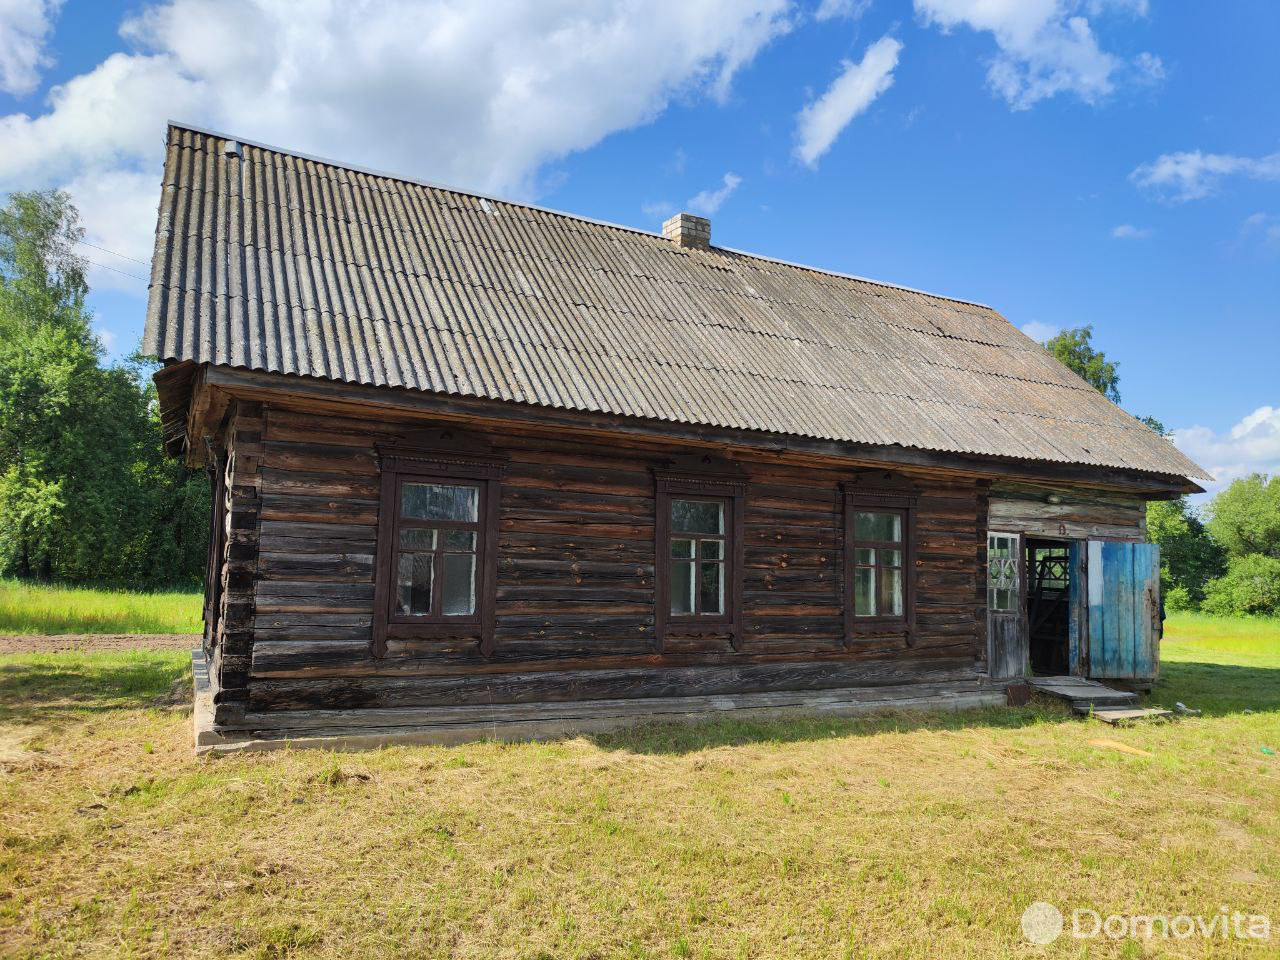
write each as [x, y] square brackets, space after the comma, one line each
[897, 837]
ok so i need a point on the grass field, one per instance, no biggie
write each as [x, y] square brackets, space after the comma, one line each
[903, 836]
[40, 609]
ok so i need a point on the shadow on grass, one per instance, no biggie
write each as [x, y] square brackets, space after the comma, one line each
[677, 737]
[1216, 688]
[39, 688]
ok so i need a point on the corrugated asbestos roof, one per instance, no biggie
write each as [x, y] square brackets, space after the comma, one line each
[271, 261]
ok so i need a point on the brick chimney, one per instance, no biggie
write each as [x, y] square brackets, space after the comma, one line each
[688, 230]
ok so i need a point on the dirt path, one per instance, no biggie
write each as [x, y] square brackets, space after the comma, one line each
[98, 642]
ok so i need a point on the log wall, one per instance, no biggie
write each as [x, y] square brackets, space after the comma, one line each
[575, 587]
[1080, 514]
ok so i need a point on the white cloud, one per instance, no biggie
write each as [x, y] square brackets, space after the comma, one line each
[1150, 67]
[106, 337]
[1127, 231]
[1039, 332]
[118, 208]
[1251, 446]
[1193, 175]
[833, 9]
[658, 210]
[857, 87]
[1044, 46]
[25, 26]
[708, 201]
[1137, 8]
[436, 89]
[1262, 230]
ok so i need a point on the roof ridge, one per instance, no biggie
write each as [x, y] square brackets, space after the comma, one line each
[436, 185]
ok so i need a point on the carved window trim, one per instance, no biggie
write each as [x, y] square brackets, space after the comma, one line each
[702, 478]
[443, 457]
[880, 492]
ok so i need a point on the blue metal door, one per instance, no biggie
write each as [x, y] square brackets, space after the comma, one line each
[1124, 610]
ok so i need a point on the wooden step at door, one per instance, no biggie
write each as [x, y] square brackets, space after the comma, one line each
[1083, 694]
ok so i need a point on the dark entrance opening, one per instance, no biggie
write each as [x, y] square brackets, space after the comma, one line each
[1048, 567]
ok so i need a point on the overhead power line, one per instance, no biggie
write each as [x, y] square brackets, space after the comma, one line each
[123, 256]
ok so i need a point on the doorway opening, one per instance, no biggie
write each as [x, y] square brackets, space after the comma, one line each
[1048, 566]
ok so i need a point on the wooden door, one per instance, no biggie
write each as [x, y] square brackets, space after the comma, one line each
[1124, 610]
[1008, 652]
[1077, 637]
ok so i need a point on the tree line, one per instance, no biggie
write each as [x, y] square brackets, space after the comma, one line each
[1224, 559]
[86, 493]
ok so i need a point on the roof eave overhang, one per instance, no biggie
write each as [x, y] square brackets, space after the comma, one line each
[214, 382]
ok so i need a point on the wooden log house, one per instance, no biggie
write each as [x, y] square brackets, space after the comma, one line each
[486, 469]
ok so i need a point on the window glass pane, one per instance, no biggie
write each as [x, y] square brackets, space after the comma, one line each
[890, 592]
[712, 549]
[682, 549]
[436, 501]
[711, 588]
[417, 538]
[1002, 571]
[459, 593]
[681, 587]
[1001, 599]
[891, 558]
[413, 584]
[864, 555]
[697, 516]
[864, 591]
[464, 540]
[877, 526]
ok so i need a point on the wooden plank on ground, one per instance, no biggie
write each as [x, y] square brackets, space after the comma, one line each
[1120, 716]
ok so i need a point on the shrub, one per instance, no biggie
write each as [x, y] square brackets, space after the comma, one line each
[1178, 599]
[1251, 586]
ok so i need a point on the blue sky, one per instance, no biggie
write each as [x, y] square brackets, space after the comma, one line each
[1113, 162]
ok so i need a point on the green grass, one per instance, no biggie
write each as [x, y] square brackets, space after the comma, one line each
[1242, 636]
[27, 608]
[1220, 664]
[45, 687]
[900, 836]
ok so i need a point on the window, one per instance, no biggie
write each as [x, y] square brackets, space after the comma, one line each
[697, 558]
[436, 569]
[1002, 572]
[878, 555]
[879, 586]
[437, 533]
[698, 574]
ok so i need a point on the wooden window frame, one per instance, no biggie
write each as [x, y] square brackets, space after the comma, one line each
[437, 457]
[881, 493]
[702, 479]
[1019, 565]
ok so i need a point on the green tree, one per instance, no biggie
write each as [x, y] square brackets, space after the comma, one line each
[173, 533]
[1074, 348]
[1154, 424]
[83, 494]
[1250, 587]
[1189, 557]
[1245, 517]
